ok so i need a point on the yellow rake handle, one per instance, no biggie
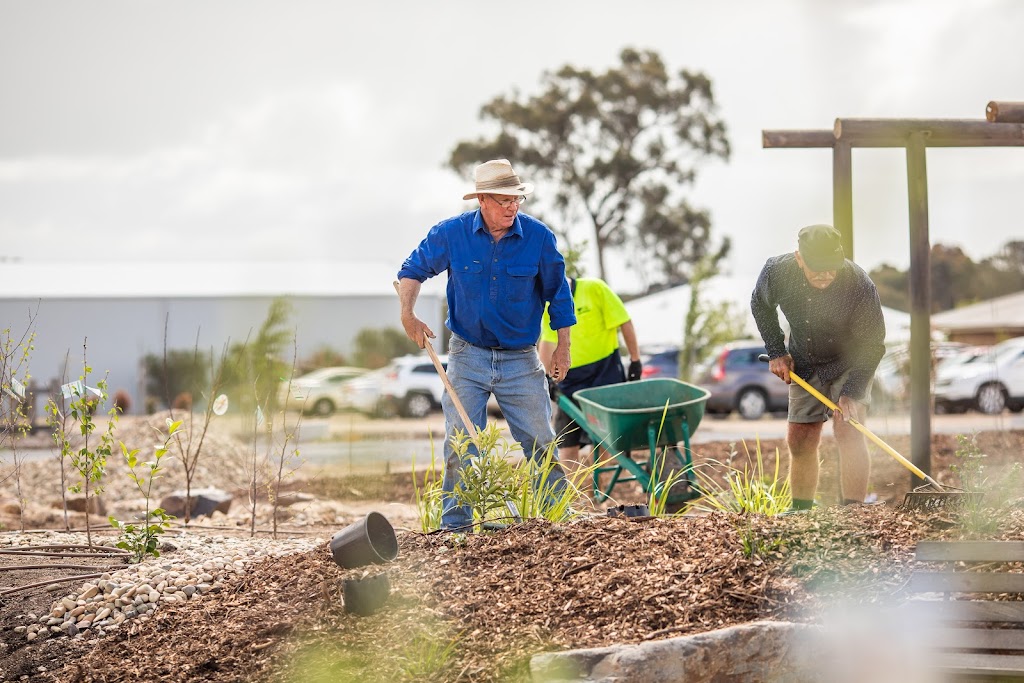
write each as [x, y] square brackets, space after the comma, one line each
[862, 429]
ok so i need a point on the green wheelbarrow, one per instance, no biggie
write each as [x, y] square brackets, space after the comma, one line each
[652, 415]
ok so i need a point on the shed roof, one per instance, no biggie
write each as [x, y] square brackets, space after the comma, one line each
[1003, 312]
[63, 280]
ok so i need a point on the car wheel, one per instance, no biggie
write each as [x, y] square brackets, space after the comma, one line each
[1015, 406]
[323, 407]
[417, 405]
[386, 408]
[752, 404]
[991, 399]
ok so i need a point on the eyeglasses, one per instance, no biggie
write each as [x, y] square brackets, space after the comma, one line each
[505, 203]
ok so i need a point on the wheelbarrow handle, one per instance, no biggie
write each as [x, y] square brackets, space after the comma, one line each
[859, 427]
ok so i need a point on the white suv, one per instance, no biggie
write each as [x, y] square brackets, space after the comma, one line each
[989, 383]
[408, 386]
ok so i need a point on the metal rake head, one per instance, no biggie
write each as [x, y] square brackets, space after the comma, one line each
[928, 499]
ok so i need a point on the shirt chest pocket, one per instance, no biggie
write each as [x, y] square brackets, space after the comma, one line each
[520, 282]
[467, 279]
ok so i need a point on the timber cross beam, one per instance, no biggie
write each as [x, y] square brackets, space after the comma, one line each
[1003, 126]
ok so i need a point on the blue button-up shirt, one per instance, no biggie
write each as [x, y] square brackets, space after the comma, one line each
[496, 290]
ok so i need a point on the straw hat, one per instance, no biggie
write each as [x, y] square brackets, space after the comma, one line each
[497, 177]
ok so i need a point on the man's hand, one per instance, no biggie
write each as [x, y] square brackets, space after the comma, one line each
[417, 330]
[560, 361]
[781, 367]
[636, 370]
[850, 408]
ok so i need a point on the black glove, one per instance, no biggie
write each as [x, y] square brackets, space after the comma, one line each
[552, 388]
[636, 369]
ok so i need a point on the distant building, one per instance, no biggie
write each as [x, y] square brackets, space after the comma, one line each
[986, 322]
[120, 310]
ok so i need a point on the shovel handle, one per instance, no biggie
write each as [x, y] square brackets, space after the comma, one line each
[470, 427]
[859, 427]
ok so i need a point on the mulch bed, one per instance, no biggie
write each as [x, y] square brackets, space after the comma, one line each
[503, 596]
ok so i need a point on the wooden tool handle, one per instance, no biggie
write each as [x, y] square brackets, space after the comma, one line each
[470, 427]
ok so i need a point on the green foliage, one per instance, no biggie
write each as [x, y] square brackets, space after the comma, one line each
[89, 461]
[616, 151]
[14, 420]
[428, 496]
[956, 280]
[185, 372]
[142, 539]
[253, 369]
[746, 490]
[322, 357]
[707, 325]
[491, 480]
[987, 491]
[756, 543]
[374, 348]
[427, 657]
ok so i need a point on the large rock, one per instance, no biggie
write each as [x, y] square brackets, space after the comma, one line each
[77, 503]
[203, 502]
[759, 651]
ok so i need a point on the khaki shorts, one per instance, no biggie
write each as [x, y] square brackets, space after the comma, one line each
[806, 409]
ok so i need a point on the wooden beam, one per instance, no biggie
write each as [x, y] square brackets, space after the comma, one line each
[1005, 112]
[796, 138]
[937, 132]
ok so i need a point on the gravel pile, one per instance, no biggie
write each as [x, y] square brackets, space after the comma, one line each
[190, 567]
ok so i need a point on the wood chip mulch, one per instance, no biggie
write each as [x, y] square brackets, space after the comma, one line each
[503, 596]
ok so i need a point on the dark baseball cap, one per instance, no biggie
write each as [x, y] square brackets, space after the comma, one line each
[821, 248]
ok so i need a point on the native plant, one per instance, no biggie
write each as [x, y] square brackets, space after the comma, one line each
[283, 452]
[428, 496]
[14, 419]
[141, 540]
[491, 480]
[747, 489]
[89, 460]
[984, 491]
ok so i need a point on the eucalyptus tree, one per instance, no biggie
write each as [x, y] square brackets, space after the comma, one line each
[615, 151]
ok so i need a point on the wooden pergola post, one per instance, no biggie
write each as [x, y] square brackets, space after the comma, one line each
[1003, 127]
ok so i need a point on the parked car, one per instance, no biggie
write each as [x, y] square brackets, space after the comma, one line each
[318, 392]
[892, 377]
[989, 383]
[408, 386]
[660, 364]
[738, 381]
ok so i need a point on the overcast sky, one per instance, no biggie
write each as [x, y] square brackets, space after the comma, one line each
[300, 130]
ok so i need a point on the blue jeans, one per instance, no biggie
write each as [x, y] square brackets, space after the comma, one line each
[516, 378]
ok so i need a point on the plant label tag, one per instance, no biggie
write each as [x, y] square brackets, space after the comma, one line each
[18, 388]
[220, 405]
[73, 389]
[95, 392]
[259, 416]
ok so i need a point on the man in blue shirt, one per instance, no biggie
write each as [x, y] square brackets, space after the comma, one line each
[503, 267]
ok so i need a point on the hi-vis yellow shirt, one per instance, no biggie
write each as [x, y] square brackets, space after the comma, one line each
[599, 314]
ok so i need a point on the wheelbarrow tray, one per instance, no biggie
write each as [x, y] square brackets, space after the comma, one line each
[618, 415]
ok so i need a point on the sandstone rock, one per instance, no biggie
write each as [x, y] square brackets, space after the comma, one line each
[203, 502]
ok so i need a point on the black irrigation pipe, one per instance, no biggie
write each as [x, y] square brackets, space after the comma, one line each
[85, 567]
[40, 584]
[103, 551]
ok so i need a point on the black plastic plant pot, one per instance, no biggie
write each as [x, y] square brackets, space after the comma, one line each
[371, 540]
[366, 596]
[640, 510]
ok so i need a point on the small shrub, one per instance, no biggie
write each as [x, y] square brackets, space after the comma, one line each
[746, 490]
[183, 401]
[122, 401]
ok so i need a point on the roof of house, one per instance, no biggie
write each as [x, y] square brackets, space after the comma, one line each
[659, 317]
[79, 280]
[999, 313]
